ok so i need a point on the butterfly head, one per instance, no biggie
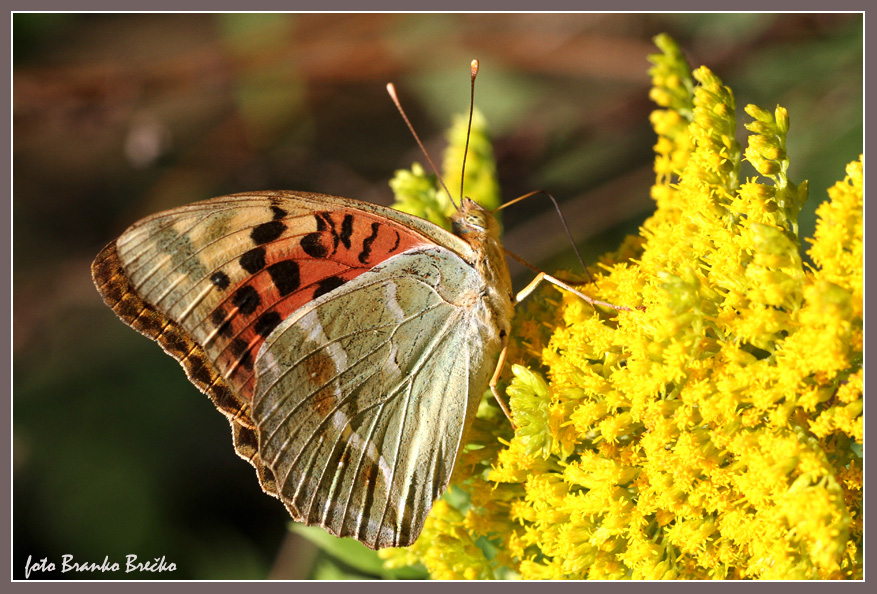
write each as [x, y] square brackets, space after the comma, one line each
[473, 222]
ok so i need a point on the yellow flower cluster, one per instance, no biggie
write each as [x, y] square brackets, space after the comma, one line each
[714, 433]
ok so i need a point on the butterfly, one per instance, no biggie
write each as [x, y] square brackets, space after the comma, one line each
[347, 343]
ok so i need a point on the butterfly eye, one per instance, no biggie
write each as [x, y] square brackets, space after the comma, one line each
[476, 219]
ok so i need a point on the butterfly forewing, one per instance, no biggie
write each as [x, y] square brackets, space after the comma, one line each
[229, 270]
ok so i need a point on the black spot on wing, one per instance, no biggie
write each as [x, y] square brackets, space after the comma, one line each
[346, 230]
[253, 261]
[198, 370]
[367, 244]
[286, 276]
[395, 245]
[328, 225]
[315, 244]
[266, 323]
[321, 218]
[327, 284]
[241, 350]
[246, 299]
[267, 232]
[312, 245]
[279, 213]
[220, 280]
[218, 319]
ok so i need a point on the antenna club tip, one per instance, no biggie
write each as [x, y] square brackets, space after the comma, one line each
[391, 89]
[473, 66]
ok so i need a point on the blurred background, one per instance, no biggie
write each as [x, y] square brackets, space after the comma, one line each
[117, 116]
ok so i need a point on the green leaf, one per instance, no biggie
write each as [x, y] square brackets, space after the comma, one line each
[355, 554]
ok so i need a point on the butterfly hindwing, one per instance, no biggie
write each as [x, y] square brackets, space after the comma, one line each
[361, 416]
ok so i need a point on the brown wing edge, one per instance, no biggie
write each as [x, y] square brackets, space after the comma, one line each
[113, 285]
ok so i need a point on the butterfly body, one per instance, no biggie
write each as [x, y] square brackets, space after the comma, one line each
[349, 344]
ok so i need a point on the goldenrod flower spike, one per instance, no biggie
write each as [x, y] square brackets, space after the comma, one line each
[673, 90]
[716, 434]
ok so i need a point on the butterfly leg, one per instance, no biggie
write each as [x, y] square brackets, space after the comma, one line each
[500, 362]
[520, 297]
[559, 283]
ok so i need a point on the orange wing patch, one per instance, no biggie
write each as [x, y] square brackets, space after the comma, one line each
[230, 272]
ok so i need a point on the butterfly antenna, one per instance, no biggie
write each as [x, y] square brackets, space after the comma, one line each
[392, 91]
[562, 221]
[473, 68]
